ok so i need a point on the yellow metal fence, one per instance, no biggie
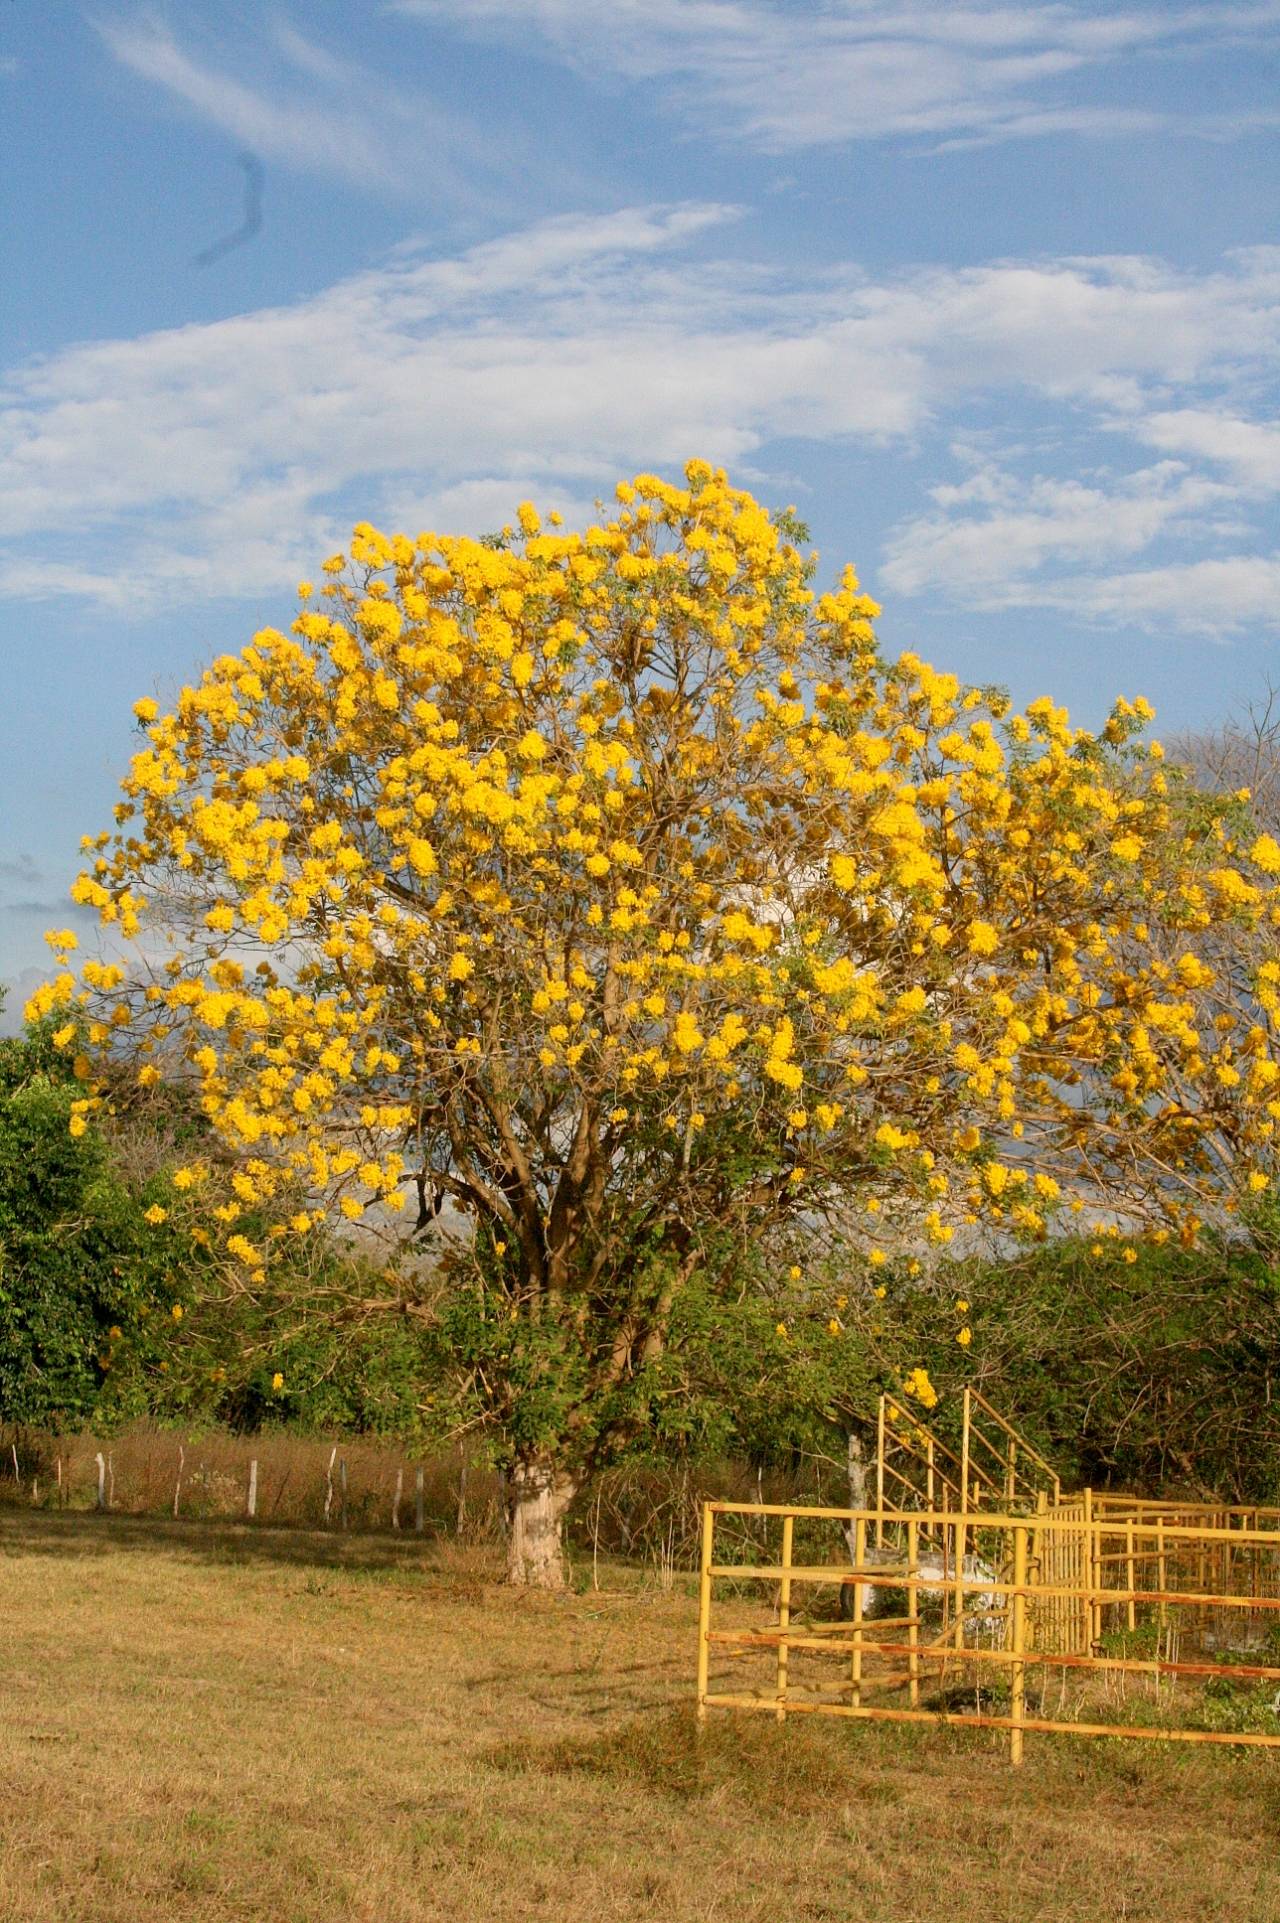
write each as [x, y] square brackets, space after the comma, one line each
[1127, 1614]
[992, 1465]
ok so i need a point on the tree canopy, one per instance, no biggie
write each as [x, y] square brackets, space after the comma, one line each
[610, 887]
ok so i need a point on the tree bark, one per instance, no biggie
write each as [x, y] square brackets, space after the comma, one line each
[857, 1484]
[857, 1473]
[538, 1495]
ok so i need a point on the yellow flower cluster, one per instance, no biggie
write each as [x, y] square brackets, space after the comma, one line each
[917, 1384]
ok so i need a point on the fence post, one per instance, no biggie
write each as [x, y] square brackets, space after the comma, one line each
[100, 1459]
[395, 1500]
[1131, 1570]
[177, 1481]
[1161, 1570]
[1017, 1643]
[418, 1505]
[1090, 1568]
[964, 1457]
[704, 1607]
[328, 1485]
[880, 1448]
[784, 1614]
[252, 1505]
[962, 1536]
[1039, 1543]
[913, 1611]
[855, 1657]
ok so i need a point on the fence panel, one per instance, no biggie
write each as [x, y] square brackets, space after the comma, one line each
[1146, 1627]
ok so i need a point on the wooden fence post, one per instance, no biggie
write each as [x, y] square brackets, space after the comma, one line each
[913, 1611]
[784, 1614]
[100, 1459]
[881, 1427]
[251, 1505]
[395, 1500]
[704, 1607]
[1090, 1568]
[1017, 1643]
[964, 1455]
[1039, 1544]
[419, 1518]
[328, 1485]
[177, 1485]
[855, 1654]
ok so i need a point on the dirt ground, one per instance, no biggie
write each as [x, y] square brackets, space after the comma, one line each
[205, 1721]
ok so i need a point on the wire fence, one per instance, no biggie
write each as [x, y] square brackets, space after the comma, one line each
[642, 1512]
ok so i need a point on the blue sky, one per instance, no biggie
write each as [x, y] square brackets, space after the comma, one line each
[990, 292]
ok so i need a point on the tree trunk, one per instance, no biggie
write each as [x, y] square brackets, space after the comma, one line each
[857, 1469]
[538, 1494]
[857, 1484]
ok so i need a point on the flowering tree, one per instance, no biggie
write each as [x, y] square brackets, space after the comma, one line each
[610, 887]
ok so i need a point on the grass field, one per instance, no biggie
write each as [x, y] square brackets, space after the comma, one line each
[204, 1722]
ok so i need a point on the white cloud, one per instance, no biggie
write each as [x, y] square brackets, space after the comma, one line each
[1218, 597]
[854, 70]
[201, 459]
[340, 144]
[315, 111]
[227, 458]
[1249, 450]
[987, 559]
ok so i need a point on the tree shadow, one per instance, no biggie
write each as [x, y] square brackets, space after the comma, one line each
[89, 1533]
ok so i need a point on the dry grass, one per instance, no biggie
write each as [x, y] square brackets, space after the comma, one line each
[144, 1464]
[203, 1722]
[641, 1512]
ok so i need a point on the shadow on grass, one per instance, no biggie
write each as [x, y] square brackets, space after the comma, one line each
[787, 1770]
[812, 1766]
[81, 1533]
